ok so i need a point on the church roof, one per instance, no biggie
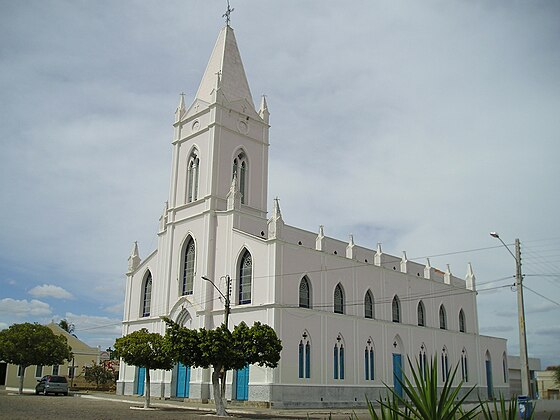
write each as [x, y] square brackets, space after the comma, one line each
[226, 71]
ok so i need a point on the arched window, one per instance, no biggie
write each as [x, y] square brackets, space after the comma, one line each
[147, 295]
[338, 359]
[444, 365]
[421, 314]
[464, 366]
[188, 268]
[369, 361]
[304, 293]
[442, 318]
[192, 177]
[396, 309]
[240, 167]
[245, 278]
[368, 305]
[462, 324]
[338, 299]
[505, 367]
[422, 361]
[304, 356]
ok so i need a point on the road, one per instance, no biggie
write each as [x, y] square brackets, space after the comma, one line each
[100, 406]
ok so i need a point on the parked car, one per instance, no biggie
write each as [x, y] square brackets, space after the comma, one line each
[52, 384]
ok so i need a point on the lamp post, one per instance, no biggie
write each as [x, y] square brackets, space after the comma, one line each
[226, 297]
[226, 318]
[523, 355]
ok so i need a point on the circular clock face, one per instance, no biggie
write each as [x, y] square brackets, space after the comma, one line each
[195, 126]
[243, 127]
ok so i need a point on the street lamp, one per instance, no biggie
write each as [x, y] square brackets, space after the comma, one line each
[226, 297]
[523, 355]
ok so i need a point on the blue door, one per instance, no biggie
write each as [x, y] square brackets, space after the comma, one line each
[183, 380]
[140, 379]
[397, 373]
[489, 381]
[242, 384]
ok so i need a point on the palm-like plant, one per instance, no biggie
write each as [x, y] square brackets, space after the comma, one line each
[423, 401]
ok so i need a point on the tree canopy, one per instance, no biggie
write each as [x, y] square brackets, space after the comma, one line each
[144, 349]
[224, 350]
[33, 344]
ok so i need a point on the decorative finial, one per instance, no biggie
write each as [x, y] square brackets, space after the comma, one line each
[228, 13]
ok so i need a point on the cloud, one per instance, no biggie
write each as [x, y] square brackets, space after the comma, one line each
[496, 329]
[114, 309]
[50, 290]
[24, 308]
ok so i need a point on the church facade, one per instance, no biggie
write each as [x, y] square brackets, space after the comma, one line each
[348, 316]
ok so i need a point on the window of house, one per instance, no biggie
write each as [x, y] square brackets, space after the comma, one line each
[369, 361]
[245, 278]
[188, 268]
[396, 309]
[304, 293]
[505, 368]
[444, 365]
[240, 170]
[338, 299]
[442, 318]
[192, 177]
[462, 324]
[338, 360]
[39, 371]
[421, 314]
[464, 367]
[368, 305]
[304, 357]
[55, 370]
[422, 361]
[147, 295]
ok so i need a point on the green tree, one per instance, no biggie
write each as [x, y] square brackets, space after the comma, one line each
[556, 374]
[32, 344]
[144, 349]
[423, 398]
[102, 374]
[67, 326]
[224, 350]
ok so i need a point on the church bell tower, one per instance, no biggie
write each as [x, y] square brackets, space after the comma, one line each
[221, 138]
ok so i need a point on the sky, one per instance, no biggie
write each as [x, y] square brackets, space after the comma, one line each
[420, 125]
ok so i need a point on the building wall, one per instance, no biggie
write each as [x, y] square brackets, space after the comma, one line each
[84, 355]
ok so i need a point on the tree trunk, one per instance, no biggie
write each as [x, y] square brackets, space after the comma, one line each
[21, 379]
[147, 390]
[220, 407]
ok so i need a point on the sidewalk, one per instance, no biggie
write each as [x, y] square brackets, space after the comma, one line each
[233, 409]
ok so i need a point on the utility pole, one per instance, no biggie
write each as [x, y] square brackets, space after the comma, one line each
[526, 388]
[227, 301]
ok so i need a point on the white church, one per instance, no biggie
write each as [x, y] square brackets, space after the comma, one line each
[348, 316]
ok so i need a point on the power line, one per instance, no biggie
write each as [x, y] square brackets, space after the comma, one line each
[543, 296]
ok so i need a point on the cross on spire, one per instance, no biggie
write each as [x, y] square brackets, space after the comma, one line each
[228, 13]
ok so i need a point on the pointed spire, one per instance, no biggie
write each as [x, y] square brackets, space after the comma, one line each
[226, 68]
[276, 213]
[404, 263]
[181, 110]
[234, 195]
[350, 247]
[319, 242]
[428, 270]
[134, 259]
[163, 217]
[470, 279]
[447, 275]
[378, 254]
[263, 110]
[275, 223]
